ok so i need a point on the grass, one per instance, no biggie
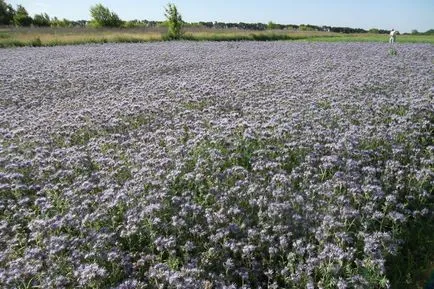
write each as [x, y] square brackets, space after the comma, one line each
[68, 36]
[413, 266]
[369, 37]
[19, 37]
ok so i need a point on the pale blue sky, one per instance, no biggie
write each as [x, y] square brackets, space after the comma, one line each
[403, 15]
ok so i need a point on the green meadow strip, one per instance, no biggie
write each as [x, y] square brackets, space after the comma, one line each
[37, 38]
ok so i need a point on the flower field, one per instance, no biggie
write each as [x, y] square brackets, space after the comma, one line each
[212, 165]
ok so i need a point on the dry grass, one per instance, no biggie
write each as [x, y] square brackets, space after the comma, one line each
[66, 36]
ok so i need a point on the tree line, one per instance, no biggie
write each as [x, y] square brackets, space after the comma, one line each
[20, 17]
[103, 17]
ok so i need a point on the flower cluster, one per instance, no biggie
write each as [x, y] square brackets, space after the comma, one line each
[211, 165]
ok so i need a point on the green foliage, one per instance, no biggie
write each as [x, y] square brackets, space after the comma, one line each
[393, 51]
[55, 22]
[103, 17]
[174, 21]
[374, 30]
[164, 24]
[271, 25]
[412, 267]
[41, 20]
[6, 13]
[21, 17]
[133, 24]
[307, 27]
[36, 42]
[4, 35]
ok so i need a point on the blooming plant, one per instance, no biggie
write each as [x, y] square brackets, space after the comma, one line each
[209, 165]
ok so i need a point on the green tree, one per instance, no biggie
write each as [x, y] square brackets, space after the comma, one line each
[55, 22]
[271, 25]
[6, 13]
[21, 17]
[103, 17]
[41, 20]
[174, 21]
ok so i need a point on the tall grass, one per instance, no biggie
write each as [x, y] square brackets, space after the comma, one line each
[73, 36]
[17, 37]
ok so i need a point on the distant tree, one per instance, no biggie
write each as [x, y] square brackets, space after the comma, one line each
[429, 32]
[79, 23]
[383, 31]
[41, 20]
[374, 30]
[174, 21]
[308, 27]
[55, 22]
[271, 25]
[414, 31]
[6, 13]
[206, 24]
[103, 17]
[21, 17]
[133, 23]
[148, 23]
[347, 30]
[292, 27]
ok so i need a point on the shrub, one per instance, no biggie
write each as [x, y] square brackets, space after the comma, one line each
[103, 17]
[174, 21]
[36, 42]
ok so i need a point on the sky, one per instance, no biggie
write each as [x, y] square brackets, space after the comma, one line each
[402, 15]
